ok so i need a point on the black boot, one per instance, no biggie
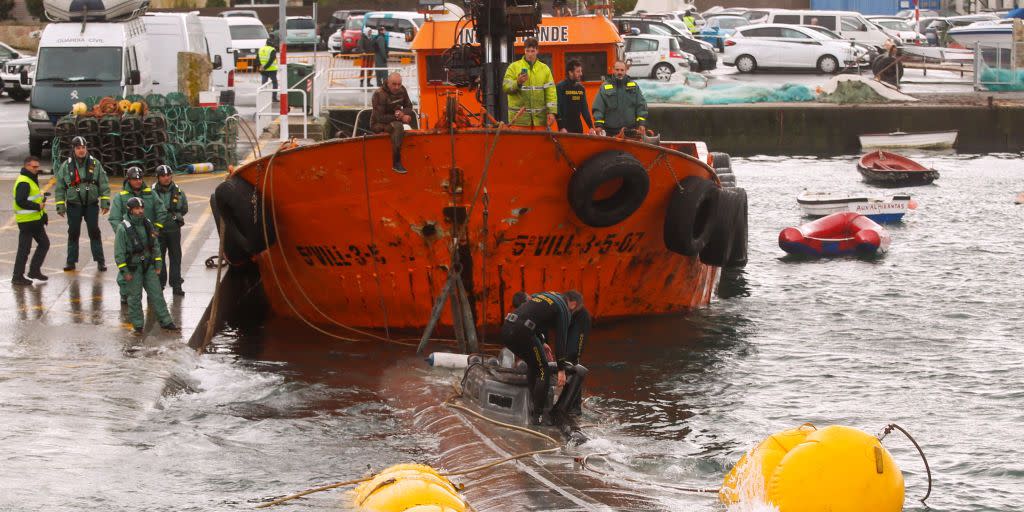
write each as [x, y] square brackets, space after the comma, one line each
[70, 267]
[20, 281]
[396, 161]
[35, 274]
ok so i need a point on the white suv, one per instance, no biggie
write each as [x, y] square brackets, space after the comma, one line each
[13, 85]
[658, 57]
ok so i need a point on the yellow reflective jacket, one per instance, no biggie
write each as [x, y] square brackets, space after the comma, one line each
[537, 94]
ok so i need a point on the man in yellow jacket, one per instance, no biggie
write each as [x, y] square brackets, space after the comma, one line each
[532, 101]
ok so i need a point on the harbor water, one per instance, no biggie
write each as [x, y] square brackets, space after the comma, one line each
[927, 337]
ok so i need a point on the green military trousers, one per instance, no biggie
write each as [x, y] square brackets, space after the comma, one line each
[144, 276]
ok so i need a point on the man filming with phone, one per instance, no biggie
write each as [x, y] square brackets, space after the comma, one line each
[532, 102]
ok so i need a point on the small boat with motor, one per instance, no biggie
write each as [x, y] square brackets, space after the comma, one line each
[905, 140]
[889, 169]
[94, 10]
[882, 208]
[839, 234]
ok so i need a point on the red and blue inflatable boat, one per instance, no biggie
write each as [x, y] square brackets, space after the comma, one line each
[838, 234]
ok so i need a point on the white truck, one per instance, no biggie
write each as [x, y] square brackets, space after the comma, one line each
[80, 60]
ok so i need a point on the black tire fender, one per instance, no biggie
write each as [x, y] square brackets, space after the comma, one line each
[689, 220]
[720, 161]
[233, 207]
[597, 171]
[738, 258]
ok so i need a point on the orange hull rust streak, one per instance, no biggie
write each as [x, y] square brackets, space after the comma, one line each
[317, 197]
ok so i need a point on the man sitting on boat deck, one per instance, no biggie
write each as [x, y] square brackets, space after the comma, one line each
[392, 110]
[522, 331]
[532, 102]
[619, 106]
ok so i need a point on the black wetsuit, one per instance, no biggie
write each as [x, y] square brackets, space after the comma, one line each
[521, 333]
[572, 105]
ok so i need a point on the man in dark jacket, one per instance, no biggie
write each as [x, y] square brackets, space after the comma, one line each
[392, 109]
[572, 100]
[380, 56]
[619, 106]
[30, 213]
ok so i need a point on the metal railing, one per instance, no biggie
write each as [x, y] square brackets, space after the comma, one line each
[266, 90]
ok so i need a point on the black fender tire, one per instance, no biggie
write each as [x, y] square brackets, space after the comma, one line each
[19, 95]
[598, 170]
[720, 244]
[721, 161]
[727, 179]
[689, 219]
[738, 258]
[233, 207]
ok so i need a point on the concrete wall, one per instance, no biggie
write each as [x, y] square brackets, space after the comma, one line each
[828, 129]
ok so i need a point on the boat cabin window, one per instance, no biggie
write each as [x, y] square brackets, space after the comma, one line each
[595, 64]
[435, 69]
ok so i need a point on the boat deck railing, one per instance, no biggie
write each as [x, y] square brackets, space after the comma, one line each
[995, 66]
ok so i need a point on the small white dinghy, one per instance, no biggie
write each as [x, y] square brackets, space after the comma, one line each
[94, 10]
[878, 207]
[919, 140]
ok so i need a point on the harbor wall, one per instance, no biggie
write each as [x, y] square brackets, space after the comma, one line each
[824, 129]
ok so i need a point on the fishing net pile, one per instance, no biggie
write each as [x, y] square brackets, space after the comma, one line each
[722, 94]
[147, 131]
[1002, 79]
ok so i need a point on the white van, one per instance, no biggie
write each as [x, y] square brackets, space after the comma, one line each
[94, 59]
[218, 40]
[401, 27]
[848, 24]
[248, 35]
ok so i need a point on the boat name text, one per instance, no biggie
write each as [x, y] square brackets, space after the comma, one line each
[331, 256]
[559, 245]
[554, 34]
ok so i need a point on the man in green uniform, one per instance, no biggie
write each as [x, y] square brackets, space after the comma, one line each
[154, 209]
[137, 254]
[82, 192]
[170, 236]
[619, 106]
[531, 88]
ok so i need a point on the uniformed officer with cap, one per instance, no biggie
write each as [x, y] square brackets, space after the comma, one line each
[134, 187]
[82, 192]
[137, 254]
[170, 236]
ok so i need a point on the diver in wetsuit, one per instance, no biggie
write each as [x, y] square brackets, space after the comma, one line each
[522, 332]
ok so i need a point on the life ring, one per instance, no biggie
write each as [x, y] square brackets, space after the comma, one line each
[599, 170]
[234, 209]
[719, 248]
[690, 218]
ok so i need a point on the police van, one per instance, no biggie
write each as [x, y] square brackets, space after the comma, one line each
[79, 60]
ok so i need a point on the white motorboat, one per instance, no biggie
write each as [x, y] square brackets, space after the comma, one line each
[997, 33]
[878, 207]
[920, 140]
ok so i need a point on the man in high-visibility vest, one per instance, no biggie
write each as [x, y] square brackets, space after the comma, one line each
[30, 213]
[532, 100]
[691, 22]
[267, 55]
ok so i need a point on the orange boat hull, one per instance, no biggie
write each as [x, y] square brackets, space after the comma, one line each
[359, 245]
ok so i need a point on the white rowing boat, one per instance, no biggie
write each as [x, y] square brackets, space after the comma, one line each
[920, 140]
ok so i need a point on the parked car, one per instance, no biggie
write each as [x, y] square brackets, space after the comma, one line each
[899, 29]
[936, 30]
[752, 15]
[248, 35]
[346, 39]
[17, 87]
[401, 27]
[301, 32]
[866, 53]
[704, 52]
[908, 14]
[218, 42]
[657, 57]
[337, 20]
[766, 46]
[240, 13]
[718, 28]
[7, 53]
[848, 24]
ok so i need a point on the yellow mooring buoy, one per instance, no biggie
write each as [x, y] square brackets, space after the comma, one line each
[409, 488]
[805, 469]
